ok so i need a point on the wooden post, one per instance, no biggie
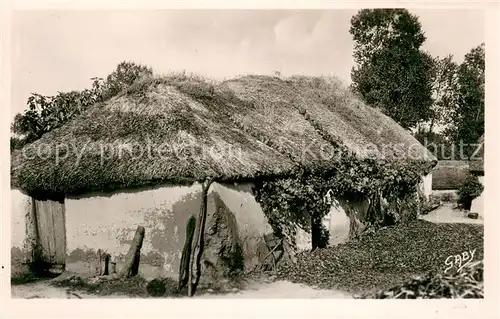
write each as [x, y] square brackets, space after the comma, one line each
[112, 265]
[132, 259]
[98, 267]
[186, 253]
[197, 250]
[288, 251]
[105, 270]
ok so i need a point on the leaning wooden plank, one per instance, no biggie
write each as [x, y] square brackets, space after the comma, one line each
[197, 250]
[132, 259]
[105, 264]
[98, 267]
[60, 233]
[186, 253]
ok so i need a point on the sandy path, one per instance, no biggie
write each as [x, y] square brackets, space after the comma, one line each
[446, 214]
[43, 289]
[278, 289]
[282, 289]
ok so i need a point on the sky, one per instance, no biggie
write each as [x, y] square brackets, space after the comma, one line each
[61, 50]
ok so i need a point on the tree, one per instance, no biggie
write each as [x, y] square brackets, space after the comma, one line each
[468, 116]
[391, 72]
[444, 88]
[433, 133]
[46, 113]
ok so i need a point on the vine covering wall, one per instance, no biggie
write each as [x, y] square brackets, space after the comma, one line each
[390, 187]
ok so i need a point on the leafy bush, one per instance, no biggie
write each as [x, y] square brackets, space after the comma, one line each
[471, 189]
[46, 113]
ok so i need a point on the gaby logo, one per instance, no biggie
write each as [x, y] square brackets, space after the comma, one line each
[460, 260]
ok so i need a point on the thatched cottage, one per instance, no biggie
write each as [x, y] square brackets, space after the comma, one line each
[139, 159]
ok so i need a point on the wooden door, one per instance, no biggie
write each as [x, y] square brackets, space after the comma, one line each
[51, 229]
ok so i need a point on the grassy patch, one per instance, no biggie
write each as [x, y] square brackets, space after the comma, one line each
[387, 258]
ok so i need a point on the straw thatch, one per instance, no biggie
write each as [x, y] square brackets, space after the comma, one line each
[180, 129]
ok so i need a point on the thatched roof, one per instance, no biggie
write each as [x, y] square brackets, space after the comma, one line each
[189, 129]
[476, 165]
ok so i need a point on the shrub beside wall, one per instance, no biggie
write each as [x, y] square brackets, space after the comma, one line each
[469, 190]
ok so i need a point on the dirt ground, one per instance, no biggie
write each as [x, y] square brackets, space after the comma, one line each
[255, 289]
[277, 289]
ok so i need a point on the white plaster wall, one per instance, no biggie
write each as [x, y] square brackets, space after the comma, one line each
[109, 221]
[478, 205]
[303, 240]
[250, 219]
[478, 202]
[481, 179]
[426, 185]
[20, 206]
[339, 224]
[336, 221]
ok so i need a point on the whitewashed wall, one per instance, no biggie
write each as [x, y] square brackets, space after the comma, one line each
[336, 221]
[426, 185]
[338, 224]
[250, 219]
[20, 207]
[108, 222]
[478, 202]
[481, 179]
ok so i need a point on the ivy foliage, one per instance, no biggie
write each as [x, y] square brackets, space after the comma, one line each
[306, 197]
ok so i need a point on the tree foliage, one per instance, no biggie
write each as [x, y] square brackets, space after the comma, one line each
[468, 116]
[458, 108]
[46, 113]
[391, 72]
[444, 91]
